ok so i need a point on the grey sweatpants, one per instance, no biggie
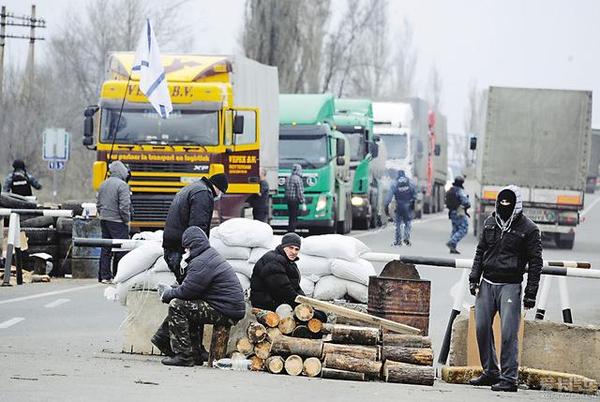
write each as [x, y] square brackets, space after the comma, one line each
[506, 299]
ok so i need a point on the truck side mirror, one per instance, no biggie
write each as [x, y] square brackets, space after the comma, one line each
[340, 147]
[374, 149]
[473, 143]
[340, 161]
[88, 125]
[437, 150]
[238, 124]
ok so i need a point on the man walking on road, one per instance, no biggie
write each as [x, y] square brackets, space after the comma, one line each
[405, 194]
[19, 181]
[210, 294]
[114, 210]
[458, 203]
[294, 194]
[510, 241]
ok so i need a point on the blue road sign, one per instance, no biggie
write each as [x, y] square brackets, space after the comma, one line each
[56, 165]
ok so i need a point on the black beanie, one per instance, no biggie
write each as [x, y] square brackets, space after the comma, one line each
[18, 164]
[219, 180]
[291, 239]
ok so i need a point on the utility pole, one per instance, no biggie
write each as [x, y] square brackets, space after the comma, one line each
[27, 21]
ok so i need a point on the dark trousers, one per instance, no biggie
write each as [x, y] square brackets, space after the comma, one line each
[111, 230]
[506, 299]
[293, 210]
[173, 260]
[260, 214]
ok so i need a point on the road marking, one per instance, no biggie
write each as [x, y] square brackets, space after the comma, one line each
[585, 211]
[391, 225]
[57, 302]
[57, 292]
[11, 322]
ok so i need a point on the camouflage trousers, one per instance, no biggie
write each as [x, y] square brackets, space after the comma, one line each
[186, 324]
[460, 227]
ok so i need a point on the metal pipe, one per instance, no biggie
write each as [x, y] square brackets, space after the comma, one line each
[10, 246]
[122, 244]
[56, 213]
[565, 305]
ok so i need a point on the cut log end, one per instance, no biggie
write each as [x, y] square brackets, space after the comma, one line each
[244, 346]
[268, 318]
[315, 325]
[304, 312]
[287, 325]
[294, 365]
[256, 332]
[274, 364]
[263, 349]
[258, 364]
[273, 333]
[284, 310]
[302, 331]
[312, 367]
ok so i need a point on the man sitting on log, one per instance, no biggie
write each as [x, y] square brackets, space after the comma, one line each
[210, 294]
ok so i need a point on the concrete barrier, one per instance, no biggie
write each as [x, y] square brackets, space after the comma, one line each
[568, 348]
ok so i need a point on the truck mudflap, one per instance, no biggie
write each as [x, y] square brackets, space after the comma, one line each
[555, 228]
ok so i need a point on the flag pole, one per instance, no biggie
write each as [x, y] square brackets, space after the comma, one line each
[112, 145]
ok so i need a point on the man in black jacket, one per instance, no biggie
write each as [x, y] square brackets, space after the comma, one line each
[276, 279]
[510, 241]
[210, 294]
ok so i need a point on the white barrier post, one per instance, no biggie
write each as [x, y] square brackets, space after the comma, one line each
[541, 310]
[564, 300]
[10, 247]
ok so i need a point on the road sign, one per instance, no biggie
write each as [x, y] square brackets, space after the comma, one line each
[56, 165]
[56, 144]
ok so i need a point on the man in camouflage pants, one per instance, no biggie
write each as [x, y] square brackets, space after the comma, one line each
[458, 203]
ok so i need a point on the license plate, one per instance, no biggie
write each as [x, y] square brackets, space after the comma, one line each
[279, 222]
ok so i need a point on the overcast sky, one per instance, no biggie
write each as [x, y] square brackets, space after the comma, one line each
[525, 43]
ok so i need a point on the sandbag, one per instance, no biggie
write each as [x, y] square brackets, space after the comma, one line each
[138, 260]
[355, 271]
[256, 254]
[155, 236]
[311, 265]
[242, 267]
[160, 266]
[246, 232]
[358, 292]
[244, 281]
[330, 288]
[276, 241]
[230, 252]
[334, 246]
[144, 280]
[308, 286]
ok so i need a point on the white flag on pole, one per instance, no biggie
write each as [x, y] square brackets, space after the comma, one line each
[152, 74]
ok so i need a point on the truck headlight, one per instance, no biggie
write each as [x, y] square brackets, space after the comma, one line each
[358, 201]
[321, 203]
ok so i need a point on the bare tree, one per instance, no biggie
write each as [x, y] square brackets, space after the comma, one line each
[434, 88]
[404, 62]
[473, 116]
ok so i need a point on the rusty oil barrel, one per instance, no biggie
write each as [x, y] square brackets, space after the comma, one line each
[401, 300]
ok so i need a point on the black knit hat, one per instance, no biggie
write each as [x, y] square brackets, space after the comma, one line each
[219, 180]
[291, 239]
[18, 164]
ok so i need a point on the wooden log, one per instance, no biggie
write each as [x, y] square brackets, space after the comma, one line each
[287, 325]
[408, 341]
[284, 310]
[244, 346]
[273, 333]
[341, 374]
[263, 349]
[347, 363]
[302, 331]
[258, 364]
[312, 367]
[304, 312]
[267, 318]
[274, 364]
[315, 325]
[461, 375]
[418, 356]
[256, 332]
[293, 365]
[351, 334]
[286, 345]
[356, 351]
[408, 373]
[557, 381]
[346, 312]
[218, 343]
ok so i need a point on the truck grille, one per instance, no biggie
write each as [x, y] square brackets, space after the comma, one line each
[151, 207]
[168, 167]
[281, 200]
[155, 178]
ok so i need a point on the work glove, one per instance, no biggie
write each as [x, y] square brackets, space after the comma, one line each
[528, 303]
[473, 288]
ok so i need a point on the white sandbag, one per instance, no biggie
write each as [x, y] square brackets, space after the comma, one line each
[160, 266]
[308, 286]
[230, 252]
[276, 241]
[256, 254]
[334, 246]
[330, 288]
[156, 236]
[138, 260]
[146, 280]
[358, 292]
[244, 281]
[355, 271]
[311, 265]
[246, 232]
[214, 233]
[110, 293]
[242, 267]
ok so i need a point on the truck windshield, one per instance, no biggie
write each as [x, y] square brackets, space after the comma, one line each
[395, 145]
[310, 151]
[358, 148]
[144, 126]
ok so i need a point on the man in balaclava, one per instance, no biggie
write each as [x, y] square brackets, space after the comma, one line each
[510, 241]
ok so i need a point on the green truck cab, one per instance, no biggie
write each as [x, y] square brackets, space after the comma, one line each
[354, 118]
[307, 137]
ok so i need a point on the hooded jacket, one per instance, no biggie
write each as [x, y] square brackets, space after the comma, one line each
[402, 189]
[275, 280]
[507, 247]
[20, 182]
[294, 186]
[192, 206]
[209, 278]
[114, 195]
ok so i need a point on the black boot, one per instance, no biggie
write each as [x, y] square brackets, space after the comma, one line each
[200, 356]
[504, 386]
[163, 344]
[179, 360]
[483, 380]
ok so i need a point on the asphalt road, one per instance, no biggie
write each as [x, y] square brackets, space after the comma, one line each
[61, 341]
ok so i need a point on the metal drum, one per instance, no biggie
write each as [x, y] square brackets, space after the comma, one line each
[86, 260]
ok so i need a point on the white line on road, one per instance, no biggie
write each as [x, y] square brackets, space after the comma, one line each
[585, 211]
[57, 302]
[57, 292]
[11, 322]
[391, 225]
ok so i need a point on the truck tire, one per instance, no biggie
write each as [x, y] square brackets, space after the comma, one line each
[40, 236]
[64, 226]
[38, 222]
[74, 205]
[14, 201]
